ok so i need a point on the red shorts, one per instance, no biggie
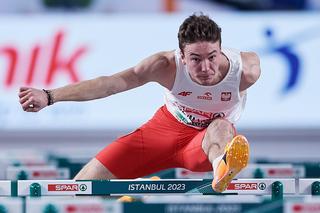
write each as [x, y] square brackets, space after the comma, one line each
[161, 143]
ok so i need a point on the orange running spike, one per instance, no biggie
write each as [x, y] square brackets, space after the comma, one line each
[236, 158]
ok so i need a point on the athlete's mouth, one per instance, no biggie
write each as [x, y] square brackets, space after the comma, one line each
[204, 77]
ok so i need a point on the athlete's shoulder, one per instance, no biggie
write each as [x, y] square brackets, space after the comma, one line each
[164, 58]
[250, 58]
[156, 61]
[250, 69]
[166, 68]
[158, 67]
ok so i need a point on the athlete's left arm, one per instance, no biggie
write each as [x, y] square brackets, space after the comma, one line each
[250, 70]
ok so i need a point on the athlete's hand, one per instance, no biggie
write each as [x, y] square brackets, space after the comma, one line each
[32, 100]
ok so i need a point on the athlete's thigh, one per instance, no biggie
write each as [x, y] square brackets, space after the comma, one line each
[194, 158]
[123, 156]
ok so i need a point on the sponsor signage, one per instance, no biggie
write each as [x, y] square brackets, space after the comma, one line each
[55, 51]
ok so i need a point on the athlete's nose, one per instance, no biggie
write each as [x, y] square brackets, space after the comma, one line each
[205, 65]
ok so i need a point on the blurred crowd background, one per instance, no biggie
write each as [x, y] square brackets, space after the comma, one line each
[158, 6]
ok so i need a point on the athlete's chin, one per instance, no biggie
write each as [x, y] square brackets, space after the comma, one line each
[205, 82]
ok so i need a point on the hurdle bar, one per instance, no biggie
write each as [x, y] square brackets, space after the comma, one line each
[309, 186]
[58, 204]
[8, 188]
[251, 171]
[36, 173]
[274, 187]
[11, 205]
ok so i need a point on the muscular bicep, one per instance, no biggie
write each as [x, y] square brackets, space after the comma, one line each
[155, 68]
[124, 80]
[251, 70]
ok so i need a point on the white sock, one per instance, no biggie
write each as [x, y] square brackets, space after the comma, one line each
[215, 162]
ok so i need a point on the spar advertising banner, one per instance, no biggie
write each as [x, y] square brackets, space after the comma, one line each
[55, 50]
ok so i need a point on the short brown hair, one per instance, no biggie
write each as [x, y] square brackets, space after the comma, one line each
[198, 28]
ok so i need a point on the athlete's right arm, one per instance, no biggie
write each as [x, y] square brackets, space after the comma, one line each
[154, 68]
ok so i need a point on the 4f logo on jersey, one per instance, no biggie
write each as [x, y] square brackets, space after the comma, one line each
[184, 93]
[225, 96]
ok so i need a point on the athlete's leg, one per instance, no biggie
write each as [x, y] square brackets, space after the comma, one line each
[206, 145]
[217, 135]
[94, 170]
[228, 154]
[148, 149]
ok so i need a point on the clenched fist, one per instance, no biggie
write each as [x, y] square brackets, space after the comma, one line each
[32, 100]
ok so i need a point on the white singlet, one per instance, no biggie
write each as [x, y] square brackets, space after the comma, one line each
[196, 105]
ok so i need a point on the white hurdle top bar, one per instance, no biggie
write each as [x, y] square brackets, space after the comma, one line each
[305, 185]
[5, 188]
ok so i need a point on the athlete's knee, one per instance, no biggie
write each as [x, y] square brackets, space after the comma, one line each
[94, 170]
[218, 134]
[220, 126]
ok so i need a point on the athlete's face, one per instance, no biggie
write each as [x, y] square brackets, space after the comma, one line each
[203, 60]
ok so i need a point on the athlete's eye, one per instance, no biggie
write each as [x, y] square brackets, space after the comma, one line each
[195, 59]
[211, 58]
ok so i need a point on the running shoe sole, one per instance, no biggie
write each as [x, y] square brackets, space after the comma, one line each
[237, 158]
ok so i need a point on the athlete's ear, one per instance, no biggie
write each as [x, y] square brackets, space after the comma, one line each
[183, 58]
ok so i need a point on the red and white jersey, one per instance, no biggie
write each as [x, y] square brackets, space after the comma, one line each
[196, 105]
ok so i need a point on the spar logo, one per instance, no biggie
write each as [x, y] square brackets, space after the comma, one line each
[305, 207]
[262, 186]
[45, 174]
[246, 186]
[66, 187]
[281, 172]
[85, 208]
[83, 187]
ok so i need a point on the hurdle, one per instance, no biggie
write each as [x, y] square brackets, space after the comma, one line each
[251, 171]
[8, 188]
[99, 205]
[48, 172]
[12, 205]
[305, 205]
[72, 204]
[309, 186]
[274, 187]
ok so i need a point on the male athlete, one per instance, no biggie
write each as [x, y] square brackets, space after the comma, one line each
[205, 93]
